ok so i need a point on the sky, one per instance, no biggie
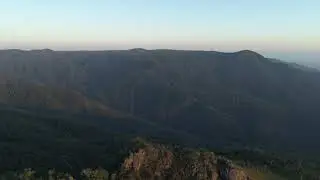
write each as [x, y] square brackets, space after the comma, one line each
[273, 27]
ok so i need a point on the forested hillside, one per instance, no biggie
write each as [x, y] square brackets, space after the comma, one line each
[243, 95]
[61, 105]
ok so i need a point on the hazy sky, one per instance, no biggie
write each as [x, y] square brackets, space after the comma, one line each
[272, 26]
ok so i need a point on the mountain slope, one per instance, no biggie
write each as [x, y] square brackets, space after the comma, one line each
[242, 96]
[47, 139]
[58, 106]
[40, 97]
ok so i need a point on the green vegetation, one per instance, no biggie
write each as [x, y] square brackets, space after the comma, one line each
[251, 100]
[154, 161]
[71, 111]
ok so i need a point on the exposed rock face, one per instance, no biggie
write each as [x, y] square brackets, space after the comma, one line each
[158, 162]
[150, 160]
[227, 171]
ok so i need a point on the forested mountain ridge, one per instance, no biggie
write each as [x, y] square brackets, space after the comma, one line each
[193, 98]
[203, 93]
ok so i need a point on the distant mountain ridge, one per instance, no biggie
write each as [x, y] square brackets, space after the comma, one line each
[247, 98]
[71, 101]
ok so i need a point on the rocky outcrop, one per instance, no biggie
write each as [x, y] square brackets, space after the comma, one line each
[228, 171]
[149, 162]
[159, 162]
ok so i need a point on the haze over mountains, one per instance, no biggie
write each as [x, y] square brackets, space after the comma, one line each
[76, 100]
[310, 59]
